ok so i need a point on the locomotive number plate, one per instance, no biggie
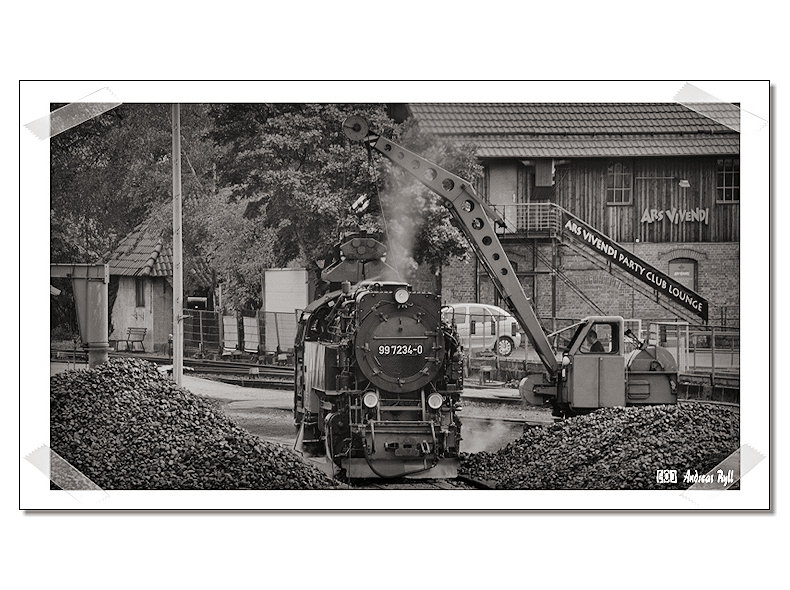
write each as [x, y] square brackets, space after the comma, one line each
[400, 349]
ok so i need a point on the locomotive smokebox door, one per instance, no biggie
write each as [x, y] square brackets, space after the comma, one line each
[399, 345]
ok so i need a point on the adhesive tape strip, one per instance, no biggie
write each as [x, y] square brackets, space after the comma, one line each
[73, 114]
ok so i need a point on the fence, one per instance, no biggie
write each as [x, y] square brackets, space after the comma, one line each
[254, 333]
[534, 218]
[260, 333]
[699, 349]
[202, 333]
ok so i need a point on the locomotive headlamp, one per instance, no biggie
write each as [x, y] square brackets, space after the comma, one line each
[435, 401]
[401, 296]
[370, 399]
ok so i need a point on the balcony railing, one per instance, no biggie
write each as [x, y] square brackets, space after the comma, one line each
[535, 219]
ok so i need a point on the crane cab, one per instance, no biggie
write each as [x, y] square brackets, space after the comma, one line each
[594, 365]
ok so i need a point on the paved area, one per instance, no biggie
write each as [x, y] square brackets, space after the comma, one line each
[267, 413]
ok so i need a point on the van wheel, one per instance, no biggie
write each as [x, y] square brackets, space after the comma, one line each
[504, 346]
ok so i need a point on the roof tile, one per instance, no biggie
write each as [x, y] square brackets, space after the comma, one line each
[146, 253]
[585, 129]
[571, 118]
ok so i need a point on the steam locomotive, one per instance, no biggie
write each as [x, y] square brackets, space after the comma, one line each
[378, 374]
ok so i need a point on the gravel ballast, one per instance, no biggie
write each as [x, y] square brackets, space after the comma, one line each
[126, 426]
[613, 448]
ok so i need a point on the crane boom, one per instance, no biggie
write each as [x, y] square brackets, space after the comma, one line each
[476, 220]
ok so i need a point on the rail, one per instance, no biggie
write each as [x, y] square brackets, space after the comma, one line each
[701, 350]
[536, 219]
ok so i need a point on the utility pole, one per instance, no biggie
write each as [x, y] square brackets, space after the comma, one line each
[178, 262]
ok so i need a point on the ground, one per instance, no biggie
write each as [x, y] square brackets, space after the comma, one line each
[492, 416]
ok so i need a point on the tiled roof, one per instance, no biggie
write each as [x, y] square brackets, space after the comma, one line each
[584, 129]
[144, 252]
[521, 146]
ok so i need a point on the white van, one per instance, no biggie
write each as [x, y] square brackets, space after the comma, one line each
[484, 327]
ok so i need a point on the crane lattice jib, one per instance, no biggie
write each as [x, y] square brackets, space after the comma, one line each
[476, 220]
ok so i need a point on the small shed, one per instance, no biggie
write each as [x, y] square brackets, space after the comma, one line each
[141, 288]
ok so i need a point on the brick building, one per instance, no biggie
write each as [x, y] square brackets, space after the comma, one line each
[659, 179]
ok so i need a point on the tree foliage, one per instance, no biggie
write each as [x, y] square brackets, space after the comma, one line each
[295, 169]
[298, 173]
[113, 172]
[264, 185]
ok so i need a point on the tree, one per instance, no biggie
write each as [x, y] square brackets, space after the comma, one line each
[264, 185]
[298, 174]
[115, 171]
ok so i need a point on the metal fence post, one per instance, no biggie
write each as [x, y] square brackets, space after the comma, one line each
[200, 324]
[732, 354]
[221, 331]
[277, 333]
[694, 350]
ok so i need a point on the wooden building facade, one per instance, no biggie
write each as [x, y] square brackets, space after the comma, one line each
[623, 197]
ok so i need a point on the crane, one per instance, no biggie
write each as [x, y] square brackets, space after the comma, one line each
[583, 376]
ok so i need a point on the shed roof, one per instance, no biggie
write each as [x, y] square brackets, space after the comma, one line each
[146, 252]
[584, 129]
[142, 252]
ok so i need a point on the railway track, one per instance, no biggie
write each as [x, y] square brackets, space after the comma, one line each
[459, 483]
[281, 377]
[710, 402]
[240, 373]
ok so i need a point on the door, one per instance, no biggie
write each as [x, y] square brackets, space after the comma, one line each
[597, 376]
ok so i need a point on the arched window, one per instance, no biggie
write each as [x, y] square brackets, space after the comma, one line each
[684, 271]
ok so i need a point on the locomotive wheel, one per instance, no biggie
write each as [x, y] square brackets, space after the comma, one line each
[504, 346]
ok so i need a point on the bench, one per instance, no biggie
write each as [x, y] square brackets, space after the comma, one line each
[135, 335]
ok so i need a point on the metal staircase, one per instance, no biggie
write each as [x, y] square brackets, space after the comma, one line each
[547, 221]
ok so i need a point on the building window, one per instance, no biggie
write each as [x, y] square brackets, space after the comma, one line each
[139, 292]
[684, 271]
[619, 180]
[728, 180]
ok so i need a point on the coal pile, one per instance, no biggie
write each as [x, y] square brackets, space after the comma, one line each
[127, 427]
[613, 448]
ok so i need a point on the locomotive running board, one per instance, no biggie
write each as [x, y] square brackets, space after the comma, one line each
[358, 468]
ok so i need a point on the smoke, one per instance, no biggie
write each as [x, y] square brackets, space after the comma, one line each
[401, 210]
[488, 435]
